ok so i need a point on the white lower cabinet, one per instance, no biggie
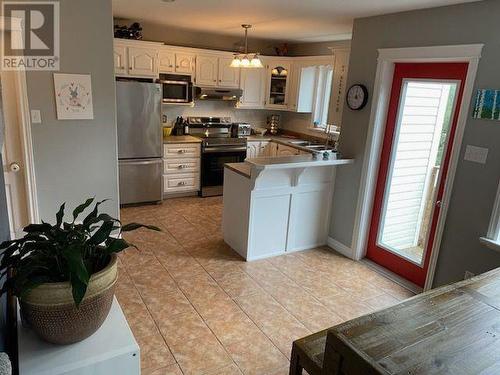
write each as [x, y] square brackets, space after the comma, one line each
[258, 149]
[181, 168]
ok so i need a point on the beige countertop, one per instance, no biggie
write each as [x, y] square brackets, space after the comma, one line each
[243, 169]
[181, 139]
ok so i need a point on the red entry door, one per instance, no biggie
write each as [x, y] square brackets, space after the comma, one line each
[420, 129]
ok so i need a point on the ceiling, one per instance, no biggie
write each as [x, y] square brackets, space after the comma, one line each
[291, 20]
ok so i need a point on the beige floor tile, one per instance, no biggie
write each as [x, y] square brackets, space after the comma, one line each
[182, 327]
[382, 302]
[221, 315]
[154, 352]
[201, 355]
[257, 356]
[169, 370]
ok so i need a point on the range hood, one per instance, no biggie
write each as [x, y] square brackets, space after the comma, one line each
[210, 93]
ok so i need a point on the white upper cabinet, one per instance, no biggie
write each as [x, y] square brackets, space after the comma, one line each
[184, 62]
[279, 73]
[166, 61]
[120, 58]
[142, 61]
[206, 70]
[253, 84]
[228, 76]
[171, 61]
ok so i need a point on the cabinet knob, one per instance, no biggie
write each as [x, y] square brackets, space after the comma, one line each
[181, 183]
[177, 66]
[170, 66]
[215, 80]
[181, 151]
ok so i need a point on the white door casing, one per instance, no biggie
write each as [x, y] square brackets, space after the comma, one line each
[17, 150]
[388, 57]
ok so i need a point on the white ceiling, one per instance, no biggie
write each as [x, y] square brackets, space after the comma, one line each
[292, 20]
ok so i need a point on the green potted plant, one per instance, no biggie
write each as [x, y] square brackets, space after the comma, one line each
[64, 274]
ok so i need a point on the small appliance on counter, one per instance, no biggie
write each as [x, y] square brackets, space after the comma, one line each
[273, 123]
[217, 149]
[241, 130]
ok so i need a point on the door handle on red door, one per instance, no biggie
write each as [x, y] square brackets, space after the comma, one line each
[14, 167]
[438, 204]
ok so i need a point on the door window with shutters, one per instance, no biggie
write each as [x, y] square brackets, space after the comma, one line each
[425, 112]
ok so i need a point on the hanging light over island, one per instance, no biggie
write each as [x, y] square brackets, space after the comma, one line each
[246, 60]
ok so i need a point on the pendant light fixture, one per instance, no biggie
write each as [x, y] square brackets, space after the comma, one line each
[246, 60]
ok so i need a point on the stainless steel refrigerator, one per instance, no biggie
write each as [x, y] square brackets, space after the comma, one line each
[140, 140]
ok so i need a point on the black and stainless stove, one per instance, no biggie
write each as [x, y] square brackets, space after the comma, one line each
[217, 149]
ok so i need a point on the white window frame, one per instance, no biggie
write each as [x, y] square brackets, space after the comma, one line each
[321, 89]
[492, 238]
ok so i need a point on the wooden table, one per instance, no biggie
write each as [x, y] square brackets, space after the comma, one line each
[450, 330]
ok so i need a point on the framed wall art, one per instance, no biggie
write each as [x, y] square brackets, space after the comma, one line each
[487, 104]
[73, 94]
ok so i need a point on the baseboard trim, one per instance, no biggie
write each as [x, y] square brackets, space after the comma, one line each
[392, 276]
[340, 247]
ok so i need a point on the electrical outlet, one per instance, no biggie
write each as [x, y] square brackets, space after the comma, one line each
[468, 275]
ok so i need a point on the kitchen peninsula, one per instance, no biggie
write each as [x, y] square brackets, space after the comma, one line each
[274, 205]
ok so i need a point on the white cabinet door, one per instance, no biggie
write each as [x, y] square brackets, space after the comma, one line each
[252, 149]
[184, 63]
[206, 70]
[264, 149]
[166, 61]
[120, 58]
[279, 74]
[142, 61]
[253, 83]
[228, 76]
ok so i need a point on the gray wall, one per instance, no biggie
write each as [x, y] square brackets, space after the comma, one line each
[78, 159]
[475, 185]
[316, 49]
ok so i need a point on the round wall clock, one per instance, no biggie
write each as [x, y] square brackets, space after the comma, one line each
[357, 97]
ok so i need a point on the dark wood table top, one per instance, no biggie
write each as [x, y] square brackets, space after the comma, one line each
[454, 329]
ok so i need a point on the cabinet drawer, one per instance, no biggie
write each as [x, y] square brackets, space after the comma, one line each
[181, 166]
[181, 182]
[181, 150]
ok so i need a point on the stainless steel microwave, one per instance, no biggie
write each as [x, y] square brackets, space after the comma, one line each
[176, 88]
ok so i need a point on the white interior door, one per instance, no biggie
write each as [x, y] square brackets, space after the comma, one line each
[12, 153]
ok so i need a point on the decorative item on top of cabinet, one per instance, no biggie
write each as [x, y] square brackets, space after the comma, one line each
[278, 78]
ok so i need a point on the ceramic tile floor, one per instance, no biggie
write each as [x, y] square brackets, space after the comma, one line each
[195, 307]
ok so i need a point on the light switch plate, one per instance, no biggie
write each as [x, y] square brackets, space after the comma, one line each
[476, 154]
[36, 117]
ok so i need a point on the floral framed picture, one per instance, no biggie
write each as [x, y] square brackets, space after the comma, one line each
[73, 94]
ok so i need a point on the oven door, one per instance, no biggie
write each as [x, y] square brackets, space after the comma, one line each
[212, 167]
[177, 92]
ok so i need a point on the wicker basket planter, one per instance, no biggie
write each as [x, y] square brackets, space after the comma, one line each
[50, 311]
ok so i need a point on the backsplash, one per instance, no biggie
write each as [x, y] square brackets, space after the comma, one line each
[255, 117]
[296, 122]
